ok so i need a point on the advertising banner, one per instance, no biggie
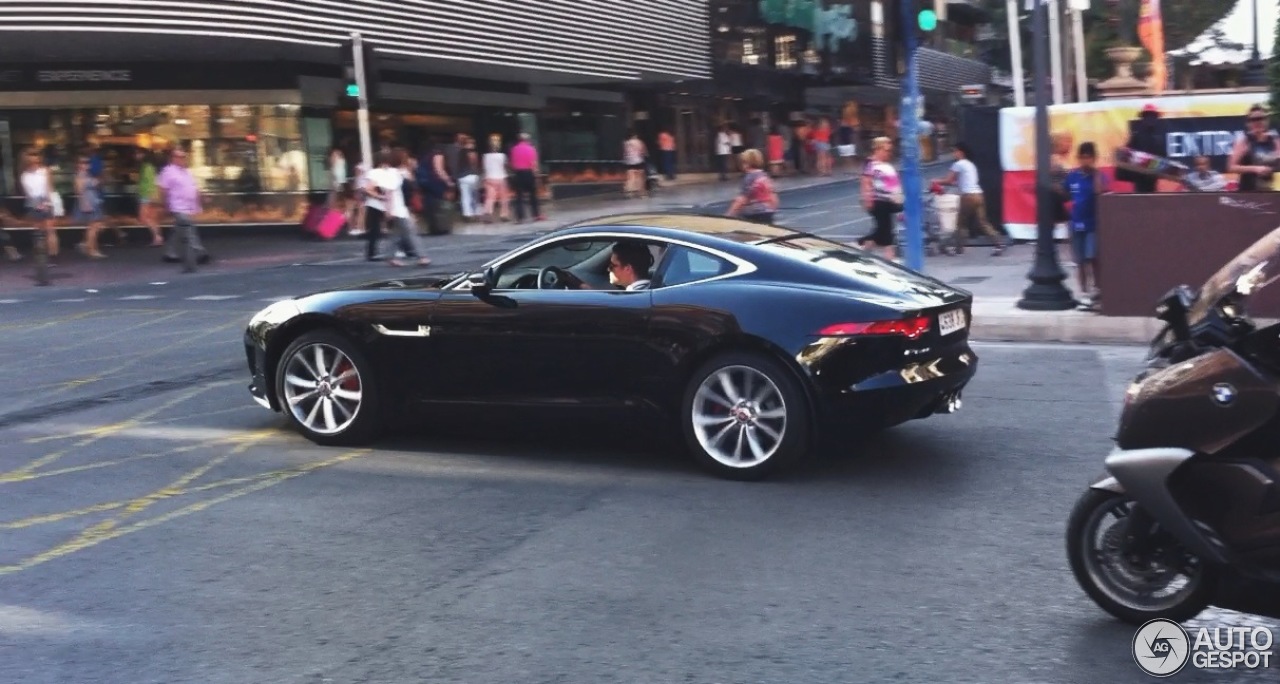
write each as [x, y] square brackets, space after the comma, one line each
[1191, 125]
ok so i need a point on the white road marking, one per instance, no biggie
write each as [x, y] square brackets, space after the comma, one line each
[797, 217]
[212, 298]
[61, 301]
[135, 298]
[10, 301]
[275, 299]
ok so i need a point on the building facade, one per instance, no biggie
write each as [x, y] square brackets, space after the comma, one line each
[254, 88]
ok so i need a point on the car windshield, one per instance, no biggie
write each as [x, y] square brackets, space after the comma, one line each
[1251, 270]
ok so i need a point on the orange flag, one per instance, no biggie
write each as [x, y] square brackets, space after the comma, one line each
[1151, 33]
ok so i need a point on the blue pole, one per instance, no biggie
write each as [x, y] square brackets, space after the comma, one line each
[909, 134]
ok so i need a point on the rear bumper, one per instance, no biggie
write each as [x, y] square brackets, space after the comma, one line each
[918, 390]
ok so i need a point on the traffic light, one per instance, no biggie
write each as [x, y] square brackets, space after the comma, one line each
[350, 95]
[924, 21]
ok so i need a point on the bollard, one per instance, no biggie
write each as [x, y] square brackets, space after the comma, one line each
[42, 257]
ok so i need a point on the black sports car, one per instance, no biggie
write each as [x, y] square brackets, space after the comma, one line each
[751, 338]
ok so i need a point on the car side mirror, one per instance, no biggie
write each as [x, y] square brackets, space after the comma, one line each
[483, 282]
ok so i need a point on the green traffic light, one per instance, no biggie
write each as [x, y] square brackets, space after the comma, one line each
[928, 20]
[353, 90]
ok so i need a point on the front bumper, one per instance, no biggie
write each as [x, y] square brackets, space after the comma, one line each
[258, 385]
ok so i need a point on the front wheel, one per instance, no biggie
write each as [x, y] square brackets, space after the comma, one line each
[744, 416]
[1163, 581]
[327, 388]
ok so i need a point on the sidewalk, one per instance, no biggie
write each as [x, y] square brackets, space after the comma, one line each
[997, 283]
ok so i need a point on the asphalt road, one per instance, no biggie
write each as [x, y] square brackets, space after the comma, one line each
[157, 526]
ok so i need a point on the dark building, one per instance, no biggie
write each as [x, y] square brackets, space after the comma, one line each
[254, 87]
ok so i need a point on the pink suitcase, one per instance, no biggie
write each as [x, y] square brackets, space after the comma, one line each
[314, 215]
[331, 224]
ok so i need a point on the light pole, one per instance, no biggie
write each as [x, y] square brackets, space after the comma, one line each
[1046, 291]
[910, 136]
[1254, 74]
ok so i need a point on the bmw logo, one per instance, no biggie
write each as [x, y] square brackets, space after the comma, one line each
[1223, 394]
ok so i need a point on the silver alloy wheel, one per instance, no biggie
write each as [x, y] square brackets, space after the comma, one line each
[1154, 588]
[739, 416]
[322, 388]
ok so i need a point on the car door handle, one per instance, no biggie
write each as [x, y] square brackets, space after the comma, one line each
[420, 331]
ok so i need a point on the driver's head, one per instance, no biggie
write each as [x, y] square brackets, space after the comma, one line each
[629, 262]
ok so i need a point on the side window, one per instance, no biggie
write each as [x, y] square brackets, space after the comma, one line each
[687, 265]
[569, 254]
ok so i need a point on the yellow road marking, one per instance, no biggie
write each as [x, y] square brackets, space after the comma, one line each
[137, 421]
[83, 542]
[50, 322]
[98, 434]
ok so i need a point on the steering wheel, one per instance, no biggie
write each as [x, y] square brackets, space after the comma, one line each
[552, 278]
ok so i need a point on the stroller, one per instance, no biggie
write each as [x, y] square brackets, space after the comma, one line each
[652, 179]
[935, 235]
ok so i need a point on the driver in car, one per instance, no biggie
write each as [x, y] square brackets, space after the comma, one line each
[629, 265]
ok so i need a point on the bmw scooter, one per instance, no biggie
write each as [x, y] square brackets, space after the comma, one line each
[1189, 515]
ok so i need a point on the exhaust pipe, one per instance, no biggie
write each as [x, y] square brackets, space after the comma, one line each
[950, 403]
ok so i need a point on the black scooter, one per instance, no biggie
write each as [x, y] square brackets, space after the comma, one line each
[1189, 515]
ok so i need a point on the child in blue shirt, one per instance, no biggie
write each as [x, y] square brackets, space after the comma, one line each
[1082, 187]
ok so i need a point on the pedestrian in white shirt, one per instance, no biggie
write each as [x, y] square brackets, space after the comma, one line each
[394, 182]
[973, 204]
[358, 218]
[724, 148]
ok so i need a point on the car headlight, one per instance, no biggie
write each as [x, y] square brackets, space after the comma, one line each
[276, 313]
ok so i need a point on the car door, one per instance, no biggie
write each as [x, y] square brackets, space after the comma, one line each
[562, 347]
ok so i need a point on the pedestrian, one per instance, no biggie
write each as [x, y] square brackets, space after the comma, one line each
[469, 179]
[757, 201]
[524, 162]
[181, 195]
[395, 181]
[724, 148]
[375, 207]
[337, 177]
[496, 186]
[147, 195]
[1082, 186]
[1203, 178]
[633, 157]
[667, 150]
[777, 152]
[882, 197]
[821, 144]
[39, 198]
[88, 211]
[1257, 153]
[1147, 138]
[973, 204]
[432, 177]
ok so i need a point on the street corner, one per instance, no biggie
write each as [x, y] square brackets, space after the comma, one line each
[73, 484]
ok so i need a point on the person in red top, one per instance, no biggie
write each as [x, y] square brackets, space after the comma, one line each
[821, 141]
[524, 162]
[777, 152]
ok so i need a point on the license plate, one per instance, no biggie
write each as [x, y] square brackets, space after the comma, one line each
[951, 321]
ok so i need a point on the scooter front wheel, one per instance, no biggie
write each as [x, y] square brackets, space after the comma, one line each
[1161, 581]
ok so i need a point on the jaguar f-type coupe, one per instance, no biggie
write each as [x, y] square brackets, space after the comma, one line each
[751, 339]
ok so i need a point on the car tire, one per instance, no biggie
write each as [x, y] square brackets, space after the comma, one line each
[765, 430]
[341, 376]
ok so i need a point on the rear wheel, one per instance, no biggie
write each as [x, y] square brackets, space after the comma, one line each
[744, 416]
[327, 388]
[1164, 581]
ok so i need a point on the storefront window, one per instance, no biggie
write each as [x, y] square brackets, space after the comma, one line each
[250, 160]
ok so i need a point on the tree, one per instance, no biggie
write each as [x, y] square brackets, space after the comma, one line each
[1114, 23]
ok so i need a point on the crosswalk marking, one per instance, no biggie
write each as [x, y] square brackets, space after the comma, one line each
[212, 298]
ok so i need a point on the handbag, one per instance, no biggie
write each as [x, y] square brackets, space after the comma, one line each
[57, 208]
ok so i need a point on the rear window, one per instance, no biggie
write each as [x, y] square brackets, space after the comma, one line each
[838, 258]
[690, 265]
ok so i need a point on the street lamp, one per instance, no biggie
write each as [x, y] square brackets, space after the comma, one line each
[1254, 74]
[1046, 291]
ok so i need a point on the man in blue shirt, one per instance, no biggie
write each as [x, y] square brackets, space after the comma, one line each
[1082, 187]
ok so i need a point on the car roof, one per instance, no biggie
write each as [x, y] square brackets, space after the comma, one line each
[711, 231]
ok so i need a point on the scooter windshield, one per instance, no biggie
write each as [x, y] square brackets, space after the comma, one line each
[1251, 270]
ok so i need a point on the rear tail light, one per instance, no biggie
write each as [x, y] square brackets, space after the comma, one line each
[910, 328]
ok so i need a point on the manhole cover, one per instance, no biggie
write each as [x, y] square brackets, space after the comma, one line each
[969, 280]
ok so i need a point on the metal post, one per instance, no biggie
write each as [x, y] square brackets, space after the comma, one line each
[1055, 51]
[1255, 73]
[362, 111]
[1046, 292]
[910, 136]
[1082, 81]
[1015, 58]
[42, 256]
